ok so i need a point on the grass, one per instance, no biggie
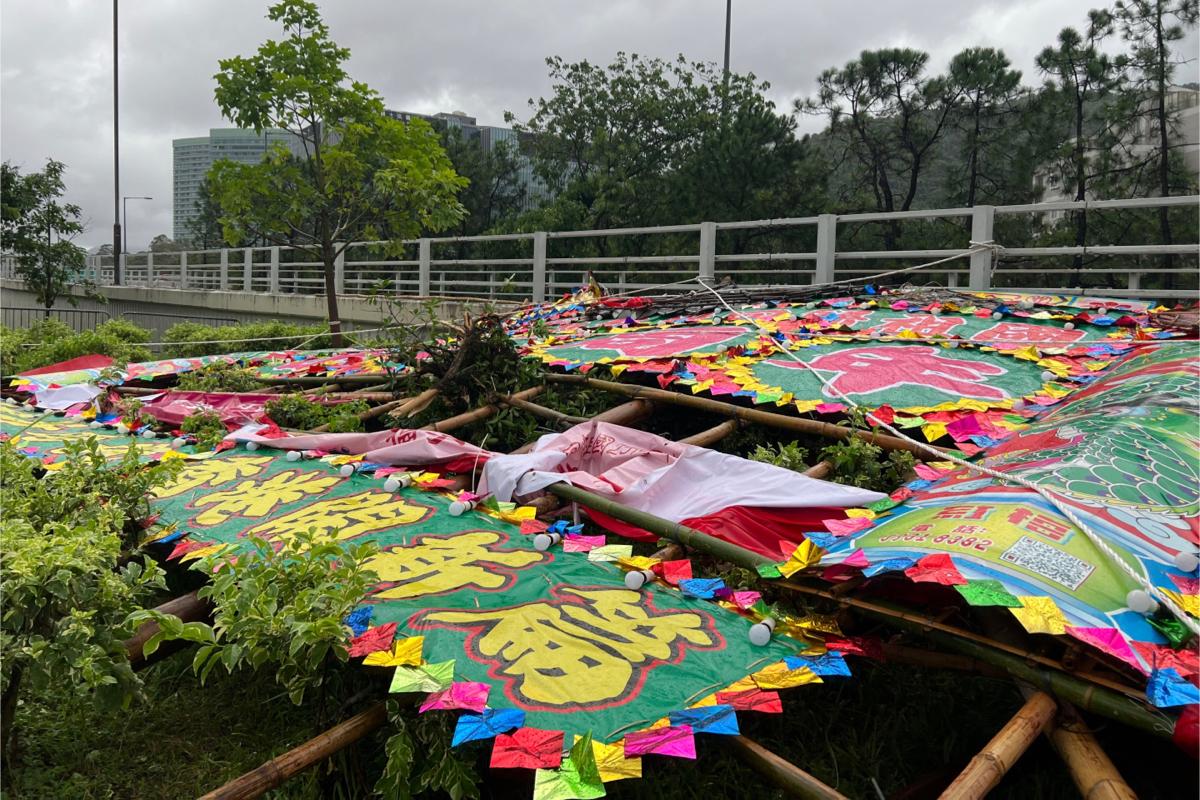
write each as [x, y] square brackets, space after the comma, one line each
[906, 729]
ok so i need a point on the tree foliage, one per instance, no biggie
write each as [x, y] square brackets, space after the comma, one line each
[70, 576]
[33, 217]
[352, 174]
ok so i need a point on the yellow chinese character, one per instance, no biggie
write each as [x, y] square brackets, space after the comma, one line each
[113, 452]
[436, 564]
[258, 498]
[350, 516]
[583, 647]
[213, 472]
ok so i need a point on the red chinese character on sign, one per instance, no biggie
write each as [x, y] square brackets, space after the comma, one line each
[923, 528]
[924, 325]
[863, 370]
[963, 512]
[970, 530]
[1040, 524]
[1024, 333]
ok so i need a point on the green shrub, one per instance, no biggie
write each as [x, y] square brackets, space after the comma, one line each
[789, 456]
[855, 462]
[281, 608]
[206, 427]
[183, 340]
[49, 341]
[67, 593]
[219, 377]
[297, 412]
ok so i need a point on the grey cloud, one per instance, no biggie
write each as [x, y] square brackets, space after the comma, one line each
[481, 57]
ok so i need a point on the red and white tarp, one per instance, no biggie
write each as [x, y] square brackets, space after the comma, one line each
[758, 506]
[400, 447]
[173, 407]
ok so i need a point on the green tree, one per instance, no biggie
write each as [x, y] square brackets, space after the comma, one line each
[495, 191]
[886, 116]
[1081, 76]
[1151, 27]
[164, 244]
[32, 217]
[990, 95]
[352, 174]
[72, 573]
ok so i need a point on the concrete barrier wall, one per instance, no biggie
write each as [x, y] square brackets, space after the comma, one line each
[158, 309]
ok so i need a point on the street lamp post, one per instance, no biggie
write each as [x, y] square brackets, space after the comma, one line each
[117, 248]
[125, 220]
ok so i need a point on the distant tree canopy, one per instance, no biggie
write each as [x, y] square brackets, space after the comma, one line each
[37, 227]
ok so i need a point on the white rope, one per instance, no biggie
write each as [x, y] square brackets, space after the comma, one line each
[1050, 497]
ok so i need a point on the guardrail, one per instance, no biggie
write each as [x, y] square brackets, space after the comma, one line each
[547, 263]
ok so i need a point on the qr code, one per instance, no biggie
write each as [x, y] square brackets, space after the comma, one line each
[1048, 561]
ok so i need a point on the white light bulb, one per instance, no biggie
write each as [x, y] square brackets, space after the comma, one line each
[346, 471]
[8, 401]
[1187, 561]
[1141, 602]
[997, 315]
[395, 484]
[122, 427]
[251, 445]
[1018, 404]
[1026, 304]
[148, 434]
[935, 310]
[1070, 326]
[293, 455]
[544, 541]
[638, 578]
[760, 633]
[95, 424]
[1047, 375]
[460, 507]
[178, 442]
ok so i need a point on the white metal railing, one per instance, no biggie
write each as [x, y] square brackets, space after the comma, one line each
[529, 268]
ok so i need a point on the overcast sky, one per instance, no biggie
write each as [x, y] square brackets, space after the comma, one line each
[483, 57]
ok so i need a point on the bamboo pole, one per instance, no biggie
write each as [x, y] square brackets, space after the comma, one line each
[417, 404]
[1092, 693]
[915, 656]
[1095, 775]
[819, 470]
[779, 771]
[626, 413]
[188, 608]
[681, 534]
[623, 414]
[273, 773]
[707, 438]
[481, 413]
[794, 424]
[989, 767]
[542, 411]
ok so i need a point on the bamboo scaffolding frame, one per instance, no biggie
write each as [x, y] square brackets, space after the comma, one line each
[711, 436]
[542, 411]
[819, 470]
[273, 773]
[623, 414]
[992, 763]
[478, 414]
[188, 608]
[793, 424]
[1094, 774]
[1091, 692]
[779, 771]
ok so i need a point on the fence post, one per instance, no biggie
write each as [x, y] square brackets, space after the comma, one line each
[150, 268]
[708, 250]
[424, 248]
[539, 266]
[339, 270]
[983, 219]
[248, 270]
[224, 269]
[183, 271]
[826, 249]
[1135, 281]
[273, 279]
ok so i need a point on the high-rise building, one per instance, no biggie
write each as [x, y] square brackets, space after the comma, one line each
[489, 138]
[194, 157]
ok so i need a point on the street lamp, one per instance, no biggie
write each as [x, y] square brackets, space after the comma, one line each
[125, 220]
